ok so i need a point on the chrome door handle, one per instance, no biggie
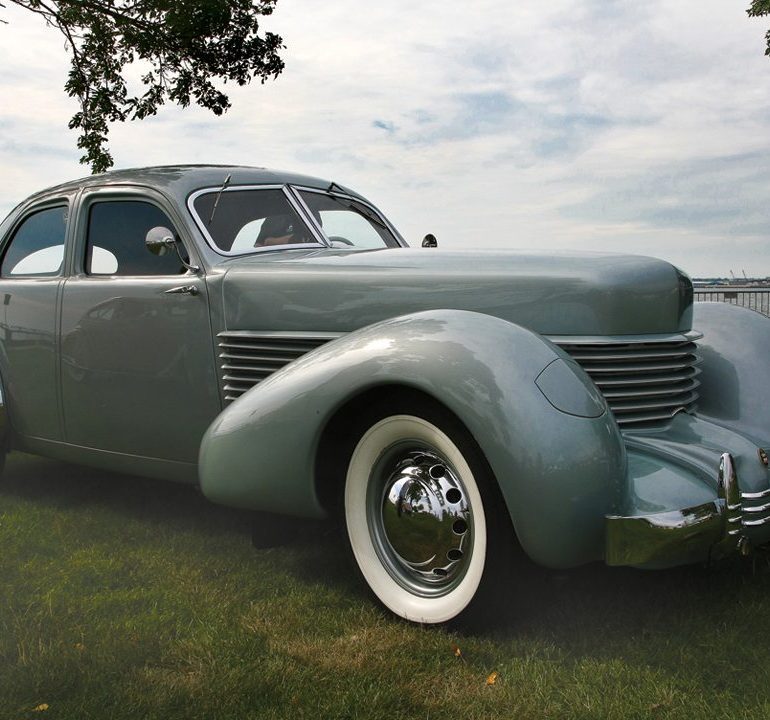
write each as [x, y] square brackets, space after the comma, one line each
[182, 290]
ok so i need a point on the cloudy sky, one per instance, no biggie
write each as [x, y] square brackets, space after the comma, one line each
[593, 124]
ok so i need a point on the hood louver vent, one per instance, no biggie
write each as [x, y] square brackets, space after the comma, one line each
[246, 358]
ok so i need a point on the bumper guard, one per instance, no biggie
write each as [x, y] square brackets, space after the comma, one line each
[708, 531]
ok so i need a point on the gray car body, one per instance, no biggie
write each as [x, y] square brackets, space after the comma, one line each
[118, 373]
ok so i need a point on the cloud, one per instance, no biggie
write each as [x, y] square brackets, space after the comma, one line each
[387, 126]
[639, 127]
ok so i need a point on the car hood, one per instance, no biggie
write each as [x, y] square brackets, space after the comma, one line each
[553, 294]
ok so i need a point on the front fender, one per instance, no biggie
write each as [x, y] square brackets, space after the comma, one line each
[560, 471]
[735, 355]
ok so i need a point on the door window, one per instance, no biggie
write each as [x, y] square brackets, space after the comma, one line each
[37, 246]
[116, 240]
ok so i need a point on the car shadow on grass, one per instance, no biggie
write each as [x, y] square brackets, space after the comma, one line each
[569, 608]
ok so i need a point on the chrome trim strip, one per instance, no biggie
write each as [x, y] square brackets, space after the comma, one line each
[298, 335]
[756, 508]
[689, 336]
[756, 495]
[759, 521]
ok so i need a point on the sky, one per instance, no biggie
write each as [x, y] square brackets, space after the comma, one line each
[590, 124]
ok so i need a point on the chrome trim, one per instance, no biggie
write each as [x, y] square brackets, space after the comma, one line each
[320, 241]
[729, 493]
[689, 336]
[757, 508]
[757, 522]
[420, 519]
[710, 530]
[425, 520]
[756, 495]
[182, 290]
[663, 539]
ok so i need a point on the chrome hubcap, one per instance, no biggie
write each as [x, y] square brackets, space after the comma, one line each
[423, 525]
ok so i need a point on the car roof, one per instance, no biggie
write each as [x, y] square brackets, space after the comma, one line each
[180, 180]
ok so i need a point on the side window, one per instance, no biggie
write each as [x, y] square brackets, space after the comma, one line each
[37, 246]
[115, 243]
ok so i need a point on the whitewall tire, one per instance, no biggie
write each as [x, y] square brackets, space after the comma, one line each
[415, 517]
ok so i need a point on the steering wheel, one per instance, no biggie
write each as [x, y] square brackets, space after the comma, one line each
[339, 239]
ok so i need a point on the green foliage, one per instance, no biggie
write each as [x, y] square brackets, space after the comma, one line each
[185, 46]
[759, 8]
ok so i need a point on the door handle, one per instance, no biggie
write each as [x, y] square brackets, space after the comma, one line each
[182, 290]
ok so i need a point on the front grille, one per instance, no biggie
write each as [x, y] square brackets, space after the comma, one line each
[644, 382]
[246, 358]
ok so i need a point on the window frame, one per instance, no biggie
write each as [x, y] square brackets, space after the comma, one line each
[94, 196]
[47, 204]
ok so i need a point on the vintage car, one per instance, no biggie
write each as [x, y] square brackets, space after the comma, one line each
[272, 337]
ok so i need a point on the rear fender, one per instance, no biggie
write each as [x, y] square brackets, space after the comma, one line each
[560, 470]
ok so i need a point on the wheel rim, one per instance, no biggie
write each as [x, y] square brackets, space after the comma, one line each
[420, 519]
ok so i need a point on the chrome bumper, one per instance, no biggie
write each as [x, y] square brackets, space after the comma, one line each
[704, 532]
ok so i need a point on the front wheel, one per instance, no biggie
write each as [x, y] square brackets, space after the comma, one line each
[419, 499]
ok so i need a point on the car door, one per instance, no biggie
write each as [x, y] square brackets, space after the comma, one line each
[31, 276]
[137, 362]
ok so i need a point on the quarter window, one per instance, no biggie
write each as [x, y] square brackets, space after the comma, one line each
[116, 240]
[37, 246]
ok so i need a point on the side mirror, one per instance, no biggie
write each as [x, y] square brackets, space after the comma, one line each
[430, 240]
[159, 240]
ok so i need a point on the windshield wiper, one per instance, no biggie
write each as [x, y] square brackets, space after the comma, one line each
[219, 195]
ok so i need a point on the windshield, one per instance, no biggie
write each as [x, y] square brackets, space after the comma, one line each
[242, 220]
[348, 223]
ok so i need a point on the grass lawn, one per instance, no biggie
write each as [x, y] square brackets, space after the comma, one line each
[128, 598]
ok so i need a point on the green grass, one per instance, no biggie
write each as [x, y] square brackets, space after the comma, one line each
[128, 598]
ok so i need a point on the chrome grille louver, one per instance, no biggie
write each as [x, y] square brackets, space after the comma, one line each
[246, 358]
[643, 381]
[755, 508]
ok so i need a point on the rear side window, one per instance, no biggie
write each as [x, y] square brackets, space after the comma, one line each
[37, 246]
[116, 240]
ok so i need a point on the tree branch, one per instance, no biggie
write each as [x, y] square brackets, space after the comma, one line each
[190, 46]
